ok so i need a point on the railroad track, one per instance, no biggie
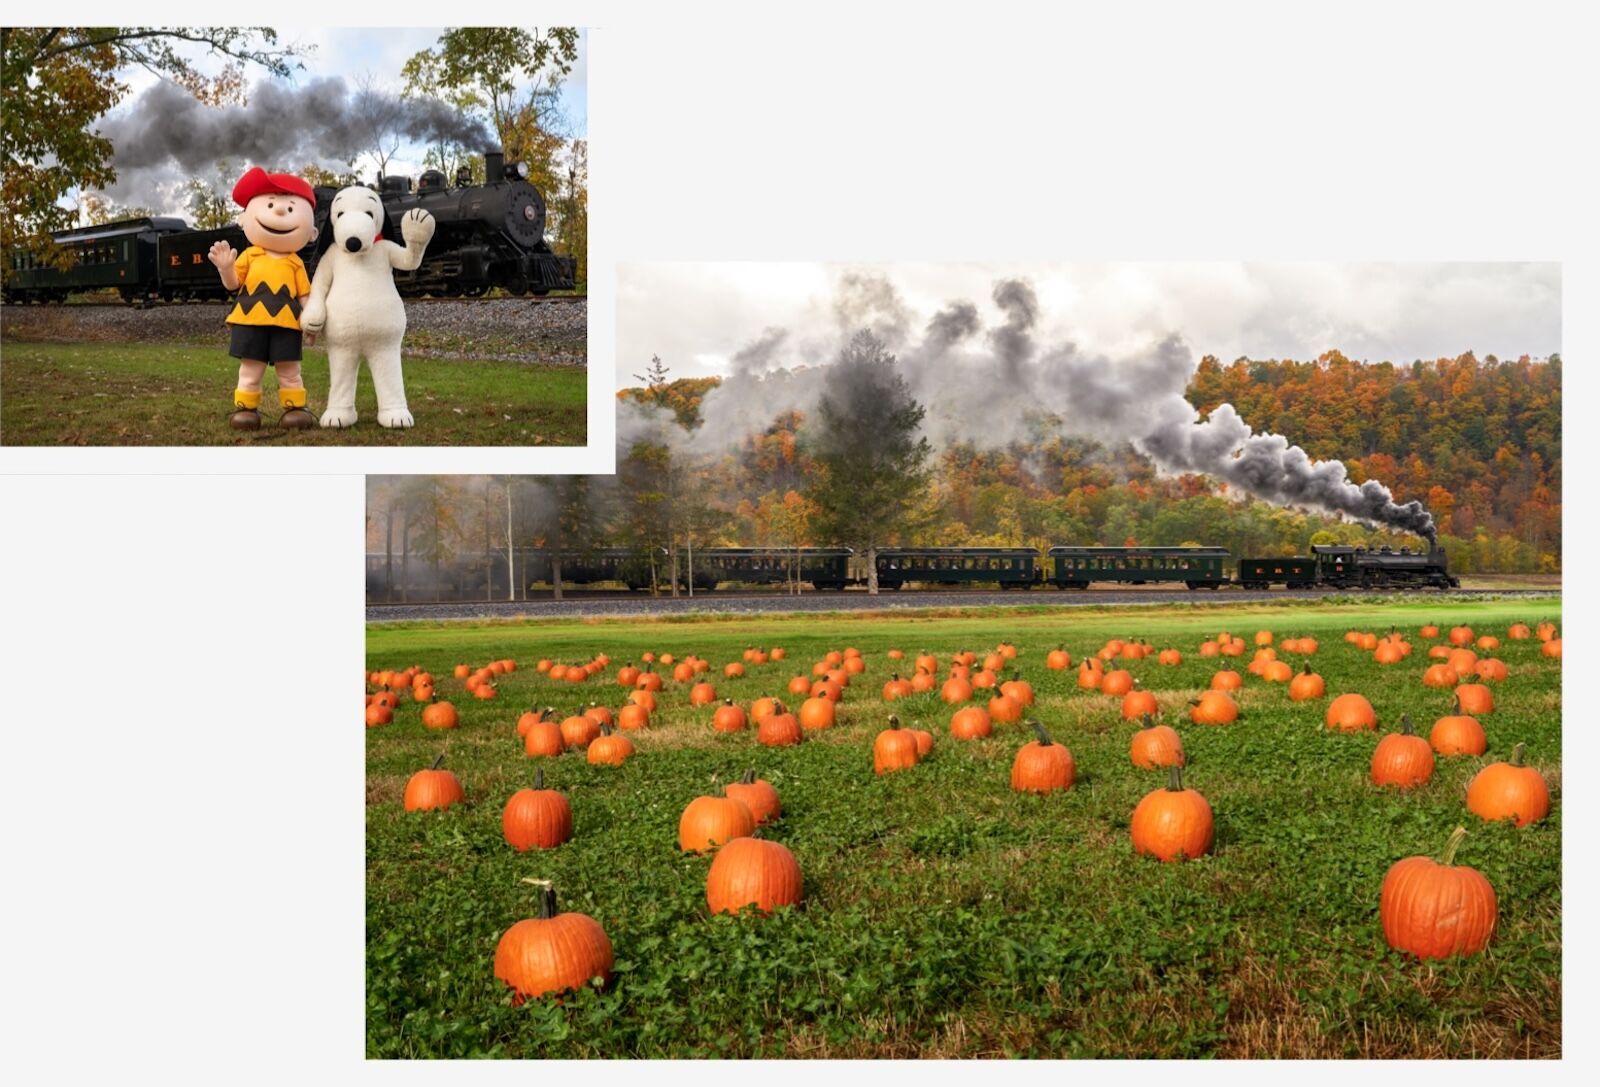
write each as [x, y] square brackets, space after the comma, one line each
[598, 603]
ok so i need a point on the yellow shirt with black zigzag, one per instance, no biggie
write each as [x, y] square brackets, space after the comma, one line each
[270, 289]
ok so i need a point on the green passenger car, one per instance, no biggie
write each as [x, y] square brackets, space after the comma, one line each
[1196, 567]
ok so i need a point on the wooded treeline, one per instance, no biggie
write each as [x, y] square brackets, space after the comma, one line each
[1477, 441]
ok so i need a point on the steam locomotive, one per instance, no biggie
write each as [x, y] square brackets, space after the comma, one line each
[482, 576]
[489, 235]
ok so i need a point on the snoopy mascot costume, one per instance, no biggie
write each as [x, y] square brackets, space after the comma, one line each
[355, 306]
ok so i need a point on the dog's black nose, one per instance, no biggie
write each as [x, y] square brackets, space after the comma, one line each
[353, 244]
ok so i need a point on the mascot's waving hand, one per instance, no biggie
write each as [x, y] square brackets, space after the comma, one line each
[354, 303]
[270, 285]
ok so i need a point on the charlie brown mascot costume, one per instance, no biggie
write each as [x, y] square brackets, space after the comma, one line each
[271, 285]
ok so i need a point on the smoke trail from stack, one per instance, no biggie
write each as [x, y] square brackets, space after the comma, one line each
[166, 134]
[1004, 390]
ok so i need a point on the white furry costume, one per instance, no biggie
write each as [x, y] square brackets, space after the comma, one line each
[354, 304]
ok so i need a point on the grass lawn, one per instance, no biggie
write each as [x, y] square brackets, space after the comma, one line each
[177, 394]
[944, 914]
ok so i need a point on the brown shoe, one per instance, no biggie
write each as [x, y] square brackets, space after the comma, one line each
[245, 419]
[297, 419]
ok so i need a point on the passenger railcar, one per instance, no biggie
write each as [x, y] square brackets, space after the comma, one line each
[1196, 567]
[1010, 567]
[1293, 572]
[121, 256]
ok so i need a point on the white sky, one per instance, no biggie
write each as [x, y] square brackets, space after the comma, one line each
[695, 316]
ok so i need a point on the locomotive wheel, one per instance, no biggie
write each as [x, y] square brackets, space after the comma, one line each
[477, 290]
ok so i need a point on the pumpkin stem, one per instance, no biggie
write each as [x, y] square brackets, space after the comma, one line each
[1516, 754]
[1044, 737]
[1308, 669]
[547, 898]
[1149, 722]
[749, 777]
[438, 762]
[1405, 724]
[894, 722]
[538, 778]
[1175, 779]
[1455, 704]
[1457, 836]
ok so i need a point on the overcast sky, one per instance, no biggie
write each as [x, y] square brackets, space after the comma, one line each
[696, 316]
[350, 53]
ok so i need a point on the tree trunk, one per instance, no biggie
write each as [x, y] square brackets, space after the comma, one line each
[872, 569]
[388, 555]
[689, 542]
[555, 574]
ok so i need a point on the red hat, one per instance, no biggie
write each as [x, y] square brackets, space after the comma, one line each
[257, 182]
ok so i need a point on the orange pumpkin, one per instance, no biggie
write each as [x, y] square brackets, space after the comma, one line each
[433, 789]
[1402, 758]
[799, 685]
[710, 821]
[1461, 635]
[1436, 910]
[462, 671]
[1138, 703]
[1004, 708]
[956, 689]
[543, 738]
[1509, 790]
[1458, 734]
[440, 715]
[1306, 686]
[896, 688]
[536, 818]
[1058, 660]
[1491, 669]
[729, 718]
[1277, 672]
[972, 723]
[1350, 713]
[758, 795]
[1019, 689]
[378, 713]
[1118, 682]
[1551, 648]
[610, 748]
[752, 872]
[579, 731]
[1169, 657]
[633, 717]
[816, 714]
[1227, 681]
[1440, 675]
[1214, 708]
[702, 694]
[553, 952]
[1173, 823]
[1519, 632]
[1090, 673]
[894, 748]
[1475, 698]
[778, 730]
[1155, 746]
[1429, 630]
[1042, 766]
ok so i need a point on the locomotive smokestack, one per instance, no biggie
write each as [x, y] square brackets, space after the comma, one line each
[494, 166]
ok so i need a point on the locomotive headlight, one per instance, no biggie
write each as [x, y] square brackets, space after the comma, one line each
[521, 170]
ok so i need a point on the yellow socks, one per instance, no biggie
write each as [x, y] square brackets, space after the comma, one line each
[245, 398]
[290, 398]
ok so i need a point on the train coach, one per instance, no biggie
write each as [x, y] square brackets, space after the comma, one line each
[485, 236]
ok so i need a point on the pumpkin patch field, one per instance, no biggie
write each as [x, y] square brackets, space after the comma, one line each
[1323, 829]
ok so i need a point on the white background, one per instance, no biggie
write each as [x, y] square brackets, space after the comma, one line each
[181, 650]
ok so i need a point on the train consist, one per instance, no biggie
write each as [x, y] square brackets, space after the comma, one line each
[489, 235]
[482, 576]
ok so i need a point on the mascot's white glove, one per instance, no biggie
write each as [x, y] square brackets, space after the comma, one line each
[417, 227]
[314, 317]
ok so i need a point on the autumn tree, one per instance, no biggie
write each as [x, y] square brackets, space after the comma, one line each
[56, 81]
[484, 65]
[871, 458]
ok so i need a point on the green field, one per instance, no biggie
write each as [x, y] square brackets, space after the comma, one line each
[172, 394]
[945, 915]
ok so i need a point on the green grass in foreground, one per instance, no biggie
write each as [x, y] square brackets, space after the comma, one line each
[172, 394]
[944, 914]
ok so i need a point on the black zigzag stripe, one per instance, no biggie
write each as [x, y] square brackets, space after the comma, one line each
[273, 301]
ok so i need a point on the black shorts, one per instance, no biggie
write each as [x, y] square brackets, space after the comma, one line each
[265, 343]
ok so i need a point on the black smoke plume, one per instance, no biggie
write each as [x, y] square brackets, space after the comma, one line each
[166, 134]
[1006, 390]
